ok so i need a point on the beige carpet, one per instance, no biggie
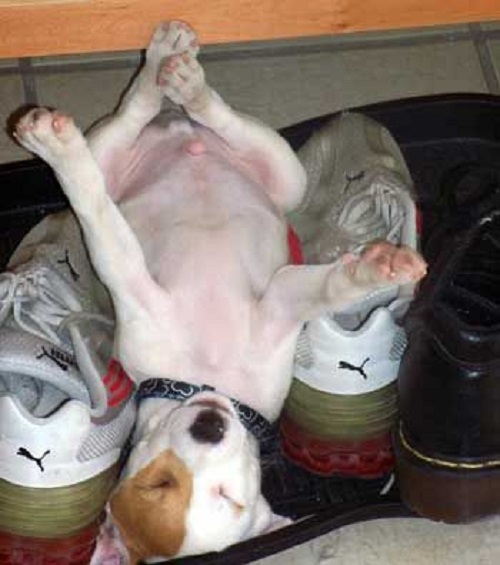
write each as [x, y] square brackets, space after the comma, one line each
[399, 541]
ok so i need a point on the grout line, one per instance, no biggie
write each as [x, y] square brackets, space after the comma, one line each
[10, 70]
[480, 41]
[28, 80]
[490, 33]
[77, 66]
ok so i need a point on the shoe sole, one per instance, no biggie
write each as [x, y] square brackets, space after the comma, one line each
[340, 417]
[76, 549]
[445, 491]
[369, 458]
[52, 521]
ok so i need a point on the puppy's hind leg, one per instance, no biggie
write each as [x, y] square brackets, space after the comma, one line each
[300, 293]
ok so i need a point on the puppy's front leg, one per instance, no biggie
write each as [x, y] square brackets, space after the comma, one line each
[182, 79]
[143, 100]
[114, 249]
[301, 293]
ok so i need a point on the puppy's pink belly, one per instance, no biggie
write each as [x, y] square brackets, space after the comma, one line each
[212, 239]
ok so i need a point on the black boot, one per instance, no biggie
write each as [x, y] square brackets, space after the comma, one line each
[448, 441]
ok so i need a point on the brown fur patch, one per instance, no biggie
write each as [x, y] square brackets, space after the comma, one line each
[150, 508]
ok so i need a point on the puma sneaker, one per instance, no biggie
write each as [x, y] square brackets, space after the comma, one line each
[66, 407]
[342, 403]
[358, 189]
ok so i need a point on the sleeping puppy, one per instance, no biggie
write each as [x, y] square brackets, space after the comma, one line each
[185, 224]
[192, 482]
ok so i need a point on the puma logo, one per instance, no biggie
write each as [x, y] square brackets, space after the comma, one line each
[352, 178]
[61, 359]
[72, 271]
[23, 452]
[359, 369]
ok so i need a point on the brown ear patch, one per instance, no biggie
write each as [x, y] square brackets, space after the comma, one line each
[150, 507]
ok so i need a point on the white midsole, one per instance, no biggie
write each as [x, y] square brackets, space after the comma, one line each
[25, 472]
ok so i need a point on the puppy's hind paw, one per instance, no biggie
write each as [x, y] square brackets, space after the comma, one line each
[384, 264]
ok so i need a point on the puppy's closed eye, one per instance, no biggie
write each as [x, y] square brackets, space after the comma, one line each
[164, 483]
[223, 492]
[158, 481]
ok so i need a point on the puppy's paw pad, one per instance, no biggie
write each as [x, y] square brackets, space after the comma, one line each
[181, 77]
[47, 133]
[172, 38]
[390, 264]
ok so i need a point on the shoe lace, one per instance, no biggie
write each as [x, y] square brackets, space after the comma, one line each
[372, 214]
[41, 303]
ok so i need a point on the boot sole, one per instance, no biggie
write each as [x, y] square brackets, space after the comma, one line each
[447, 491]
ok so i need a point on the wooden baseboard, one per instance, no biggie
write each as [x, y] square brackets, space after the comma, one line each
[49, 27]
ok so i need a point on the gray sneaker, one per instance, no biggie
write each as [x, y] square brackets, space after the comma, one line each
[359, 189]
[342, 402]
[66, 407]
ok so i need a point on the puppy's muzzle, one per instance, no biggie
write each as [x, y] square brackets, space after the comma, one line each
[209, 426]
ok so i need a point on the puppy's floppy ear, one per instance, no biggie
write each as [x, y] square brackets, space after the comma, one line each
[109, 545]
[150, 507]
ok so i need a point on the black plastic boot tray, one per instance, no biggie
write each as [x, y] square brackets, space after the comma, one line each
[452, 147]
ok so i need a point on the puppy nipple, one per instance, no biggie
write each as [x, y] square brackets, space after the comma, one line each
[195, 147]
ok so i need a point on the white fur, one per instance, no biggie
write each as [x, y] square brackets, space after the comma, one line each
[226, 505]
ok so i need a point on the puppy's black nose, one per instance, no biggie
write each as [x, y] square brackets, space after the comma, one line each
[208, 427]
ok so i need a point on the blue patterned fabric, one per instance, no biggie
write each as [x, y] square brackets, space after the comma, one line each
[179, 390]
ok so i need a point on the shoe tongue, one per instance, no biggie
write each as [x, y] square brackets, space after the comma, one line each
[90, 352]
[38, 373]
[354, 316]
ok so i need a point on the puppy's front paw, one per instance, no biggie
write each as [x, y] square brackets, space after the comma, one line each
[181, 78]
[49, 134]
[171, 38]
[384, 264]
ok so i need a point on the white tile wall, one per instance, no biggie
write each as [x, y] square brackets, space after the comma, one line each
[283, 90]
